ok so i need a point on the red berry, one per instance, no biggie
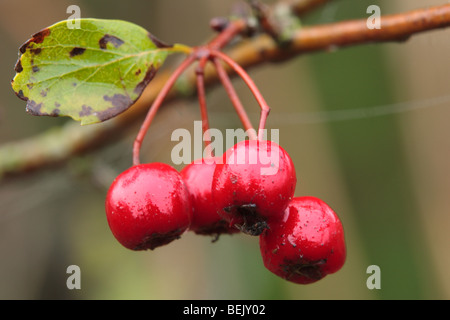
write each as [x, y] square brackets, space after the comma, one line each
[253, 184]
[147, 206]
[307, 244]
[198, 177]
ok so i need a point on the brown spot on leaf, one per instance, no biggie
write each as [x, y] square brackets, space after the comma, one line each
[119, 100]
[23, 47]
[76, 51]
[33, 108]
[158, 43]
[116, 42]
[85, 111]
[18, 68]
[40, 36]
[35, 51]
[120, 103]
[35, 69]
[36, 109]
[56, 110]
[138, 72]
[43, 93]
[21, 95]
[36, 38]
[148, 77]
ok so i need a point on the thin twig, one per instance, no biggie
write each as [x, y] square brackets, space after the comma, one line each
[301, 7]
[333, 36]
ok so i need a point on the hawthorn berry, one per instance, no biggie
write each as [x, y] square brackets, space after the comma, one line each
[307, 244]
[253, 184]
[198, 177]
[148, 206]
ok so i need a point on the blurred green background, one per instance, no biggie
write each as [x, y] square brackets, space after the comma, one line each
[385, 172]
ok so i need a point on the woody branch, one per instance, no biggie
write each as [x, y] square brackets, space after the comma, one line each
[60, 144]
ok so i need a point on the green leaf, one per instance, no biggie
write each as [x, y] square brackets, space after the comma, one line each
[90, 74]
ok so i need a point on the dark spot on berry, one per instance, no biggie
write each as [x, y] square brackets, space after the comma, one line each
[158, 239]
[252, 222]
[76, 51]
[116, 42]
[308, 269]
[216, 229]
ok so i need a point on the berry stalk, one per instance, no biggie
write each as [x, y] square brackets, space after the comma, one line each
[265, 109]
[156, 104]
[200, 76]
[226, 82]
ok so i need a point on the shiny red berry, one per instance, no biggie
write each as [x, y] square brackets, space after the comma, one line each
[148, 206]
[253, 184]
[198, 177]
[307, 244]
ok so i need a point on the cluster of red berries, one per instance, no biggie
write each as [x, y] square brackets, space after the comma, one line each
[250, 189]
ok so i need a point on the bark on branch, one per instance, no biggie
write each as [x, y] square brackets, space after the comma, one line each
[330, 37]
[300, 7]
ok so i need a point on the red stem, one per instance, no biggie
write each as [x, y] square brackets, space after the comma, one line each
[204, 54]
[200, 76]
[265, 109]
[156, 104]
[226, 82]
[233, 29]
